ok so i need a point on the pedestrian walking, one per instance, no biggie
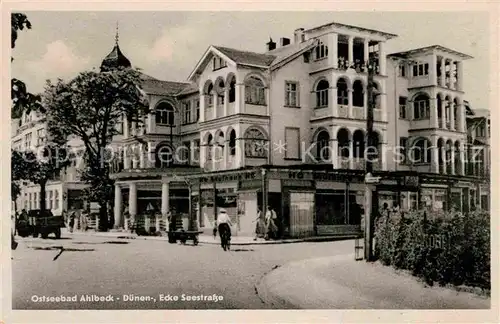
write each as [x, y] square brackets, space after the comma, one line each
[72, 217]
[271, 227]
[259, 225]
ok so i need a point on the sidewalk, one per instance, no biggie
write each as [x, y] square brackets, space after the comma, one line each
[209, 239]
[343, 283]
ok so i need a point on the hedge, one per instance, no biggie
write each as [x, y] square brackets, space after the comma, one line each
[450, 248]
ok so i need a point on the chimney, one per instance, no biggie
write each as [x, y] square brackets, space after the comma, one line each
[284, 41]
[299, 36]
[271, 45]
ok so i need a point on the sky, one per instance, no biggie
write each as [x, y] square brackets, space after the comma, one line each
[167, 45]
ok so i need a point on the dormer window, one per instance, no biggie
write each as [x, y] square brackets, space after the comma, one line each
[219, 63]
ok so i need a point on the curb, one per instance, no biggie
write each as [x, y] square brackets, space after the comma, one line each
[164, 238]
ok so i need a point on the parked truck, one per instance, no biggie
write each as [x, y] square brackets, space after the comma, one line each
[40, 223]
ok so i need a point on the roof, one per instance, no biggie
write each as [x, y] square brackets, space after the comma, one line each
[481, 113]
[429, 48]
[284, 52]
[115, 59]
[191, 88]
[154, 86]
[339, 25]
[246, 57]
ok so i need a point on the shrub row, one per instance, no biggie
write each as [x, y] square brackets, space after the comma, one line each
[450, 248]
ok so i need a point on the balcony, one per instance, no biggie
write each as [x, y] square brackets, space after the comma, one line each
[322, 112]
[256, 109]
[358, 112]
[343, 111]
[220, 110]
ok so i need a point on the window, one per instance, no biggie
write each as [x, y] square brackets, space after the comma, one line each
[403, 145]
[165, 114]
[219, 63]
[322, 93]
[186, 117]
[480, 131]
[119, 125]
[29, 201]
[255, 92]
[27, 141]
[291, 94]
[402, 70]
[323, 146]
[185, 152]
[256, 145]
[421, 108]
[292, 143]
[232, 142]
[421, 151]
[342, 95]
[402, 107]
[56, 199]
[321, 51]
[40, 136]
[196, 151]
[197, 102]
[420, 69]
[35, 200]
[358, 99]
[232, 90]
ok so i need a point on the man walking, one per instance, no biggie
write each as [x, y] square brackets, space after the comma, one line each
[271, 227]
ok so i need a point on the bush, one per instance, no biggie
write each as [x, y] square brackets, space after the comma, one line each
[450, 248]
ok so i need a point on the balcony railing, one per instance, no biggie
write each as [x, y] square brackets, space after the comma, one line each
[343, 111]
[358, 112]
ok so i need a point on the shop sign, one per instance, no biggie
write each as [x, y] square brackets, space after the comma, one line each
[436, 241]
[411, 181]
[229, 177]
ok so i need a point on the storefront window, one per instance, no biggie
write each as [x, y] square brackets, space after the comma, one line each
[301, 213]
[413, 200]
[439, 202]
[331, 208]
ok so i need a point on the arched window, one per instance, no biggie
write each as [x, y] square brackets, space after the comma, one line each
[322, 93]
[232, 142]
[255, 91]
[210, 95]
[321, 51]
[358, 144]
[255, 143]
[209, 144]
[164, 155]
[357, 95]
[165, 114]
[220, 92]
[342, 95]
[456, 114]
[232, 90]
[323, 146]
[343, 143]
[420, 151]
[421, 107]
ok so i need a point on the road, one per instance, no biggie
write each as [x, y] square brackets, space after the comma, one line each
[90, 266]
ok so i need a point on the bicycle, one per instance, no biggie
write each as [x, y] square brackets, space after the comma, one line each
[225, 240]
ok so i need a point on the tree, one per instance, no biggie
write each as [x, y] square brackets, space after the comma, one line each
[90, 107]
[22, 100]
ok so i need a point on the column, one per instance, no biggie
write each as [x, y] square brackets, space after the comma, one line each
[134, 157]
[126, 158]
[333, 100]
[433, 113]
[452, 159]
[434, 154]
[443, 72]
[382, 58]
[335, 151]
[151, 127]
[452, 115]
[461, 111]
[365, 103]
[349, 91]
[460, 74]
[462, 158]
[226, 100]
[351, 151]
[350, 44]
[203, 101]
[165, 206]
[133, 128]
[225, 152]
[203, 154]
[239, 98]
[333, 59]
[214, 105]
[132, 201]
[383, 106]
[444, 104]
[434, 69]
[118, 206]
[366, 49]
[142, 162]
[126, 126]
[453, 72]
